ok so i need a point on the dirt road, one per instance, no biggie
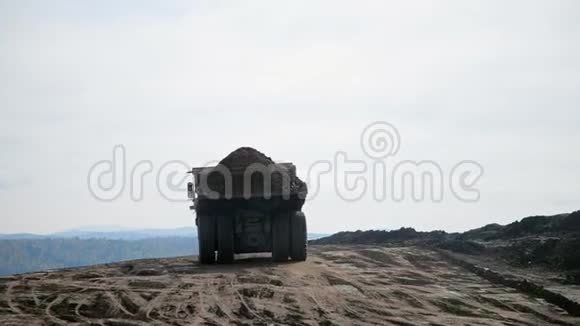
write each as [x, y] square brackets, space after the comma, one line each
[336, 286]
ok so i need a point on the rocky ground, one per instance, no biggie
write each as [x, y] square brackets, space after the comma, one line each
[337, 285]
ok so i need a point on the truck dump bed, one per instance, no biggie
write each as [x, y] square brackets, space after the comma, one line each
[252, 181]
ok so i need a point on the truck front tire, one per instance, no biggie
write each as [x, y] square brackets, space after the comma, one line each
[299, 239]
[206, 239]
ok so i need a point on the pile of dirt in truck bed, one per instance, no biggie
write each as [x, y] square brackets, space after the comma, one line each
[245, 156]
[283, 179]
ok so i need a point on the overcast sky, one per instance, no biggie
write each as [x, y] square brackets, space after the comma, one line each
[497, 82]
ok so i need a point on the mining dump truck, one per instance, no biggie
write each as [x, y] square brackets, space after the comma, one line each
[248, 204]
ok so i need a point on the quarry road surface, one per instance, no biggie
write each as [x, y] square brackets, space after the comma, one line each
[337, 285]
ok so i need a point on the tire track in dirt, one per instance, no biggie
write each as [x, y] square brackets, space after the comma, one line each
[9, 297]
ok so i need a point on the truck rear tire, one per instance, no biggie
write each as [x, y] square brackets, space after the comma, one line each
[206, 239]
[225, 231]
[281, 237]
[299, 239]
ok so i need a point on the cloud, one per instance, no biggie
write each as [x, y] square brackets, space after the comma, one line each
[491, 81]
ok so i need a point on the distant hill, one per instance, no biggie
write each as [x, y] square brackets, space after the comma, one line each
[26, 252]
[25, 255]
[554, 225]
[113, 233]
[107, 233]
[314, 236]
[567, 224]
[378, 236]
[17, 236]
[131, 234]
[550, 241]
